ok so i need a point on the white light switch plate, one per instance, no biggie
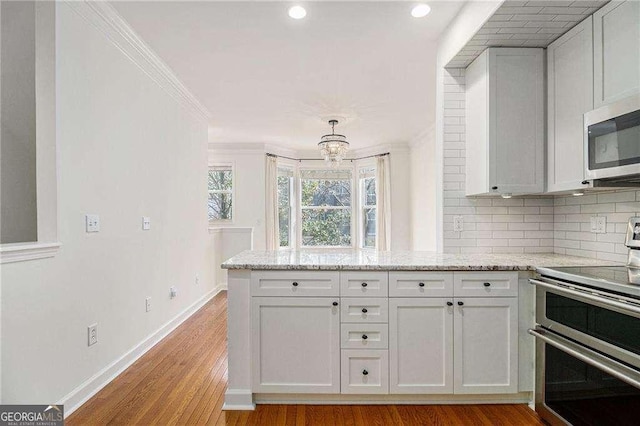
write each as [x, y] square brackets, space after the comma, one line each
[146, 223]
[92, 222]
[458, 223]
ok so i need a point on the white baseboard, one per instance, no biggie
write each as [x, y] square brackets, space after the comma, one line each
[94, 384]
[237, 399]
[221, 287]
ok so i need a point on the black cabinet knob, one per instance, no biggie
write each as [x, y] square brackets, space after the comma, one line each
[460, 303]
[365, 372]
[365, 337]
[494, 187]
[295, 284]
[335, 303]
[421, 284]
[449, 303]
[364, 310]
[585, 182]
[487, 284]
[364, 284]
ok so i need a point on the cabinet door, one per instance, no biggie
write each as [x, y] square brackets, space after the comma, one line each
[486, 345]
[420, 346]
[616, 35]
[296, 344]
[570, 95]
[516, 120]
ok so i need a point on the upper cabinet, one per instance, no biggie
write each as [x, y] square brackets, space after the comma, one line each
[616, 35]
[570, 95]
[505, 122]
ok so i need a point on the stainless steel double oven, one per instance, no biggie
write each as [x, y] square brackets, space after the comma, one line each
[587, 346]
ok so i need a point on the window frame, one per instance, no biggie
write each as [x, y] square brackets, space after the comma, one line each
[232, 192]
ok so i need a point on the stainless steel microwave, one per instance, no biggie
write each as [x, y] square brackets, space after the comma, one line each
[612, 140]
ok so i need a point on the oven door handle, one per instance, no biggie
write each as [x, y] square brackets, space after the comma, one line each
[601, 301]
[608, 365]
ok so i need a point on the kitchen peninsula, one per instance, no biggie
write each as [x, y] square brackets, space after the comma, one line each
[360, 326]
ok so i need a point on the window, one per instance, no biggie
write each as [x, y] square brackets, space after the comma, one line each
[325, 208]
[220, 193]
[285, 198]
[367, 178]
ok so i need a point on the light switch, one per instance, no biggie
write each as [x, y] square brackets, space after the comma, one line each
[92, 222]
[146, 223]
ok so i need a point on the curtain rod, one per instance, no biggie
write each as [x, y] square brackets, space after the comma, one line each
[322, 159]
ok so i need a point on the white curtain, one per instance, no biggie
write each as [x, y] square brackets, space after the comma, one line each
[271, 203]
[383, 202]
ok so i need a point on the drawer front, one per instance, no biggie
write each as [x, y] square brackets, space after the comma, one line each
[364, 371]
[421, 284]
[364, 336]
[483, 284]
[364, 284]
[295, 283]
[361, 309]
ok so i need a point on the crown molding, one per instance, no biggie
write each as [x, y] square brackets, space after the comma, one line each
[107, 20]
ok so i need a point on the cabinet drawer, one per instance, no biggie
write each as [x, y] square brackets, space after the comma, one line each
[364, 336]
[420, 284]
[364, 284]
[295, 283]
[485, 284]
[364, 309]
[364, 371]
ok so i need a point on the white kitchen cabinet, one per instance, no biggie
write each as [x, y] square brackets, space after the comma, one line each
[485, 345]
[616, 54]
[420, 345]
[365, 371]
[569, 96]
[296, 344]
[505, 122]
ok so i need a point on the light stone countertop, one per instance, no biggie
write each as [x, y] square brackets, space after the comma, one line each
[371, 260]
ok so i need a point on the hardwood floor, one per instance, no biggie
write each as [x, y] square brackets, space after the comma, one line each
[182, 381]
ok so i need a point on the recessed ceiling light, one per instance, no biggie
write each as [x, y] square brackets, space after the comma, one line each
[420, 10]
[297, 12]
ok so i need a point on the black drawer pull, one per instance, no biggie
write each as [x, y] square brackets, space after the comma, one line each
[295, 284]
[364, 284]
[460, 303]
[487, 284]
[365, 372]
[365, 337]
[335, 303]
[494, 187]
[449, 303]
[364, 310]
[421, 284]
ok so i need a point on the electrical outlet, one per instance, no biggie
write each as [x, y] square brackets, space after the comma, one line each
[146, 223]
[173, 292]
[147, 303]
[458, 223]
[598, 224]
[92, 223]
[92, 334]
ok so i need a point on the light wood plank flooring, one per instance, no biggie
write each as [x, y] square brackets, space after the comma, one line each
[182, 381]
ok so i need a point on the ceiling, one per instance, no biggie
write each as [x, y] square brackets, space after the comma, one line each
[267, 78]
[526, 24]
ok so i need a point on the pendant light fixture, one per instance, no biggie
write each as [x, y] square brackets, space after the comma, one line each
[333, 147]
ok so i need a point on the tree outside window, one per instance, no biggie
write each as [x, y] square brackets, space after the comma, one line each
[220, 186]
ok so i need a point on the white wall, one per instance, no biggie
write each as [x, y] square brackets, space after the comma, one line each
[400, 176]
[423, 192]
[18, 179]
[125, 149]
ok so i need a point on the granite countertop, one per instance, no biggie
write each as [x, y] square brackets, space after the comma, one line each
[371, 260]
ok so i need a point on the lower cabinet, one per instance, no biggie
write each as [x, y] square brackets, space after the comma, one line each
[485, 342]
[365, 371]
[296, 344]
[453, 345]
[420, 345]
